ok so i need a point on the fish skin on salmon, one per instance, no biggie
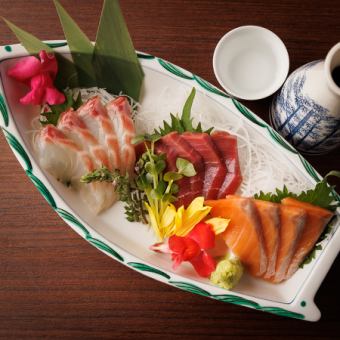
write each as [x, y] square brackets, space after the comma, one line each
[293, 221]
[244, 234]
[316, 220]
[270, 219]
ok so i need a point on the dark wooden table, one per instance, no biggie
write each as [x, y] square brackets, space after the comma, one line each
[55, 284]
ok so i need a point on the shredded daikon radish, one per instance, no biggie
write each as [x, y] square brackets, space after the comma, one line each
[262, 167]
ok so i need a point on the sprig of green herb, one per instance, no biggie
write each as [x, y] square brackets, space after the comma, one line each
[160, 188]
[52, 116]
[183, 124]
[126, 189]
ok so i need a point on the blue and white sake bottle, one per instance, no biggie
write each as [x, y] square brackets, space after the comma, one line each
[306, 112]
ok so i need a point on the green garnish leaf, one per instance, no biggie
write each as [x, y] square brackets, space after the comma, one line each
[154, 137]
[52, 117]
[176, 123]
[322, 195]
[127, 190]
[115, 60]
[160, 166]
[172, 176]
[80, 46]
[186, 112]
[183, 124]
[185, 167]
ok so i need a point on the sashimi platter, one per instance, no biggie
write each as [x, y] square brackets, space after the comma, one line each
[166, 173]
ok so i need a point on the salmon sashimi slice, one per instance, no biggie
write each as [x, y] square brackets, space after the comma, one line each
[215, 170]
[270, 219]
[293, 221]
[227, 147]
[119, 111]
[317, 219]
[66, 161]
[244, 234]
[96, 119]
[74, 128]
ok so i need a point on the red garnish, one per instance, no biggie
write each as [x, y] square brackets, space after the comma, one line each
[192, 248]
[39, 75]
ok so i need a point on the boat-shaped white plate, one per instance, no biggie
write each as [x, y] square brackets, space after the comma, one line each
[129, 242]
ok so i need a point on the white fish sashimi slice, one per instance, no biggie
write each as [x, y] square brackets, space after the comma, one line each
[119, 111]
[66, 161]
[95, 117]
[75, 129]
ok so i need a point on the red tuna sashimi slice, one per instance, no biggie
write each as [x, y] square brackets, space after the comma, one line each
[175, 141]
[227, 147]
[66, 161]
[215, 170]
[74, 128]
[184, 196]
[119, 111]
[270, 219]
[244, 234]
[96, 119]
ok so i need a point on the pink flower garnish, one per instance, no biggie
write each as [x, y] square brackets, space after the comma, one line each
[39, 76]
[192, 248]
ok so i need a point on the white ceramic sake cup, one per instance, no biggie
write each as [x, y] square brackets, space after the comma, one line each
[250, 62]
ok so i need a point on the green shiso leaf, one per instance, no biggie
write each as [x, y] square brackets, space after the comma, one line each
[80, 46]
[67, 74]
[115, 60]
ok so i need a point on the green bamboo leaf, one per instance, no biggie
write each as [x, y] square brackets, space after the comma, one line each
[209, 87]
[32, 44]
[241, 108]
[278, 139]
[174, 69]
[102, 246]
[42, 188]
[147, 268]
[14, 143]
[70, 218]
[67, 74]
[4, 111]
[115, 60]
[189, 287]
[80, 46]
